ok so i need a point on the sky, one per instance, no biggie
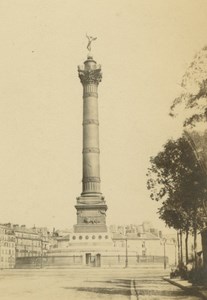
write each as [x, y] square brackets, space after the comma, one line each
[144, 48]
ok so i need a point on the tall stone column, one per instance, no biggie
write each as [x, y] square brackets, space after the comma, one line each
[91, 207]
[90, 77]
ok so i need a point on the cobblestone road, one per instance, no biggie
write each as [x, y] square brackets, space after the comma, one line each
[85, 284]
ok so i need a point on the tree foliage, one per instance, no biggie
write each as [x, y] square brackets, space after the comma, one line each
[176, 179]
[177, 174]
[194, 95]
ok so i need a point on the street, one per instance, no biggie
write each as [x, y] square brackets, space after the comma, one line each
[84, 284]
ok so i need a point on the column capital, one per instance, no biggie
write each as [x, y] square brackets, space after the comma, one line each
[90, 76]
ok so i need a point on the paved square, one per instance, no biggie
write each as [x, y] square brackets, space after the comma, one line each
[88, 284]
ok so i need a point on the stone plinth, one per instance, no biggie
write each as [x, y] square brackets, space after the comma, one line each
[91, 214]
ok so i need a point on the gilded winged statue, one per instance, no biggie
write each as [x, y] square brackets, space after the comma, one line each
[90, 40]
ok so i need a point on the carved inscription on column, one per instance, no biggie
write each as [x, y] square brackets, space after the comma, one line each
[90, 121]
[91, 150]
[90, 94]
[91, 179]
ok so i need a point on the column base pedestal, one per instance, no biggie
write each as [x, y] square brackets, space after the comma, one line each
[89, 228]
[91, 214]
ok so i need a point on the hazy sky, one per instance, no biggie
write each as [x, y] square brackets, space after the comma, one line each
[144, 48]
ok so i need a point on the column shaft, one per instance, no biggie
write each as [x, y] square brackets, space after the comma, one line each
[91, 161]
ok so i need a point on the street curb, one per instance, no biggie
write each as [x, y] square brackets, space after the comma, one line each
[193, 289]
[134, 293]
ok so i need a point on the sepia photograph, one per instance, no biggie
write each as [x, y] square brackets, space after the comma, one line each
[103, 155]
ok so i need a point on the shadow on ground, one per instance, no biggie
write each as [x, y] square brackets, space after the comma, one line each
[177, 294]
[113, 287]
[162, 292]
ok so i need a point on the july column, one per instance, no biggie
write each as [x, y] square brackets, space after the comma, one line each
[90, 76]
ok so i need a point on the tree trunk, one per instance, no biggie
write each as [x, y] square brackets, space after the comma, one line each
[178, 242]
[181, 246]
[186, 246]
[195, 244]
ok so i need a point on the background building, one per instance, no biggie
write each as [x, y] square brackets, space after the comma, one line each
[7, 247]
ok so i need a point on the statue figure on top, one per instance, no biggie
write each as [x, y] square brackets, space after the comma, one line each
[90, 40]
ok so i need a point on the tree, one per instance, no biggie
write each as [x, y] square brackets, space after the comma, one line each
[177, 218]
[194, 100]
[198, 142]
[194, 94]
[177, 175]
[176, 179]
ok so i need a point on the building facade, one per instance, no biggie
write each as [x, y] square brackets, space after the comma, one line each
[7, 248]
